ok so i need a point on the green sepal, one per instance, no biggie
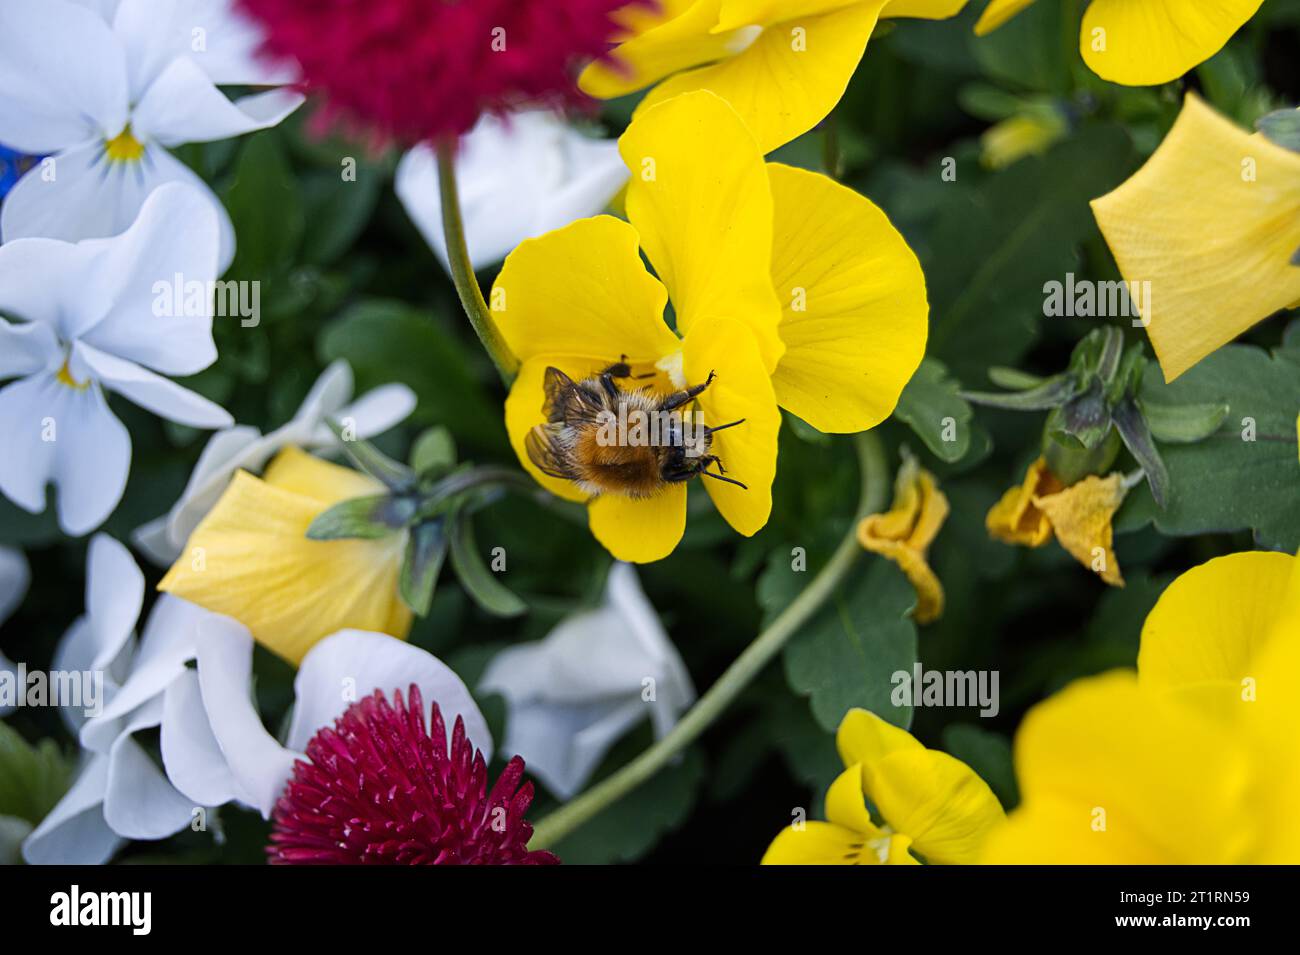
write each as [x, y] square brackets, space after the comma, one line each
[364, 518]
[1052, 393]
[426, 549]
[1282, 127]
[392, 474]
[1184, 424]
[479, 582]
[434, 453]
[1137, 438]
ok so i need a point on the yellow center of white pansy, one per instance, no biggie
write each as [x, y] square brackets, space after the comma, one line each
[64, 377]
[124, 147]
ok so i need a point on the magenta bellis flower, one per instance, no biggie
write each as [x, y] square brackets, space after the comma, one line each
[378, 789]
[425, 70]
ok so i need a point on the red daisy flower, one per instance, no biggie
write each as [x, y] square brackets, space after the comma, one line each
[379, 789]
[414, 70]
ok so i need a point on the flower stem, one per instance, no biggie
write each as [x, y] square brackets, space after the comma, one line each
[462, 270]
[563, 821]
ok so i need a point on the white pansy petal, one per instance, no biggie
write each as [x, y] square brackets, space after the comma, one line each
[183, 106]
[114, 595]
[92, 457]
[624, 595]
[26, 347]
[62, 76]
[53, 283]
[330, 392]
[28, 461]
[193, 759]
[352, 664]
[153, 392]
[74, 832]
[91, 198]
[231, 43]
[139, 802]
[373, 413]
[164, 266]
[14, 578]
[595, 172]
[259, 765]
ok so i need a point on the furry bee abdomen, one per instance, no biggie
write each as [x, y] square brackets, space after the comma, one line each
[632, 471]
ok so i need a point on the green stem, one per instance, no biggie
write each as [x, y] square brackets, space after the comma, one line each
[561, 822]
[462, 270]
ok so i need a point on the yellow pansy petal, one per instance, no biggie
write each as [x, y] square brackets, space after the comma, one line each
[789, 78]
[815, 843]
[997, 13]
[700, 199]
[924, 9]
[1211, 222]
[524, 411]
[582, 290]
[1148, 42]
[1109, 772]
[639, 531]
[679, 35]
[1203, 637]
[741, 391]
[904, 533]
[937, 801]
[250, 559]
[740, 13]
[1081, 515]
[863, 737]
[845, 804]
[323, 481]
[854, 311]
[1015, 519]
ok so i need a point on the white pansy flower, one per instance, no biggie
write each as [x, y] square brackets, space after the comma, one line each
[337, 672]
[245, 448]
[518, 178]
[14, 578]
[104, 89]
[571, 696]
[120, 793]
[86, 325]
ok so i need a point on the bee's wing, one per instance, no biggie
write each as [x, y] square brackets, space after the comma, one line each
[543, 452]
[569, 402]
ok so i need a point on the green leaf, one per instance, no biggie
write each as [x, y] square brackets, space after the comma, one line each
[425, 551]
[1282, 127]
[266, 209]
[1048, 394]
[1184, 424]
[847, 654]
[387, 341]
[933, 407]
[434, 452]
[630, 827]
[338, 210]
[32, 778]
[989, 754]
[392, 474]
[480, 582]
[365, 518]
[998, 240]
[1245, 475]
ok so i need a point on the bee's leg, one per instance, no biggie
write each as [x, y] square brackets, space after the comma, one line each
[672, 402]
[727, 480]
[723, 427]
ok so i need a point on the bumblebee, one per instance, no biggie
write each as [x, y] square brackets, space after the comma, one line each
[608, 439]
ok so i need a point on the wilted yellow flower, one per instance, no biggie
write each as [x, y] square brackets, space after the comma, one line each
[251, 559]
[1211, 222]
[783, 64]
[1026, 134]
[1143, 42]
[1079, 515]
[929, 803]
[1193, 759]
[903, 534]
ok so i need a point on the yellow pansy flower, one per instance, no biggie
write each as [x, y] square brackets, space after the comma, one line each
[1079, 515]
[931, 805]
[783, 64]
[1193, 759]
[1143, 42]
[1211, 222]
[789, 288]
[250, 559]
[903, 534]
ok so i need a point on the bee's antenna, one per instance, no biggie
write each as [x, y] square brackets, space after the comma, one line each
[723, 427]
[719, 477]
